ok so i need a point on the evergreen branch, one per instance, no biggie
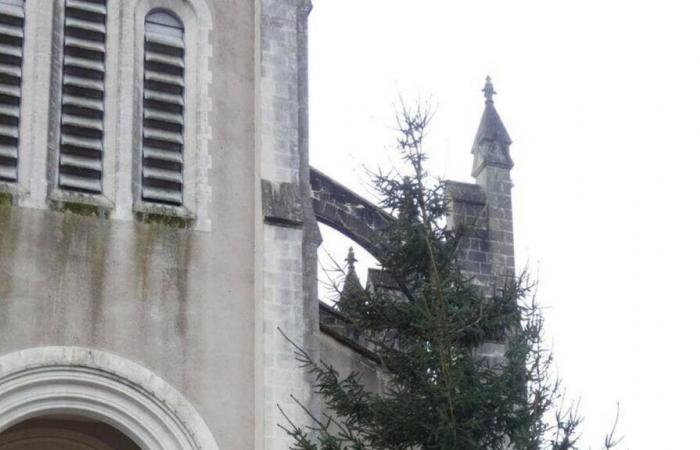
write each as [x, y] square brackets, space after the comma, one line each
[463, 369]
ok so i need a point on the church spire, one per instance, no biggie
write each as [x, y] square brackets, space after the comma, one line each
[492, 142]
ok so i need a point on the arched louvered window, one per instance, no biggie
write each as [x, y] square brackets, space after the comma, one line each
[11, 45]
[82, 101]
[163, 107]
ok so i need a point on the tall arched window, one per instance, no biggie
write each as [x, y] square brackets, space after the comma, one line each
[163, 108]
[11, 45]
[82, 100]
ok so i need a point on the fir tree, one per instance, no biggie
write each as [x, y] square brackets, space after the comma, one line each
[442, 393]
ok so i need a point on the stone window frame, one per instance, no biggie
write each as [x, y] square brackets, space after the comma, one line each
[105, 201]
[10, 186]
[40, 110]
[19, 190]
[31, 188]
[196, 19]
[166, 34]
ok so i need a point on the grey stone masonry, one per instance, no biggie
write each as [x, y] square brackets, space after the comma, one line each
[340, 208]
[487, 252]
[468, 208]
[290, 235]
[497, 186]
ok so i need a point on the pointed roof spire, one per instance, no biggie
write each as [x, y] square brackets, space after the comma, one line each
[491, 127]
[352, 288]
[492, 141]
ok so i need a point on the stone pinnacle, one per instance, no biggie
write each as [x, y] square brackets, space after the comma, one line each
[488, 90]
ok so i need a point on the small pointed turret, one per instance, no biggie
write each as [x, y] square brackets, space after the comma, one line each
[492, 166]
[492, 142]
[352, 288]
[351, 260]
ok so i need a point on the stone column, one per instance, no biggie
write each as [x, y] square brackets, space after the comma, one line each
[289, 304]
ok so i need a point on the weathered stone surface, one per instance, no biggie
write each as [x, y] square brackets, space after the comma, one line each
[199, 298]
[179, 301]
[467, 205]
[486, 207]
[282, 204]
[289, 233]
[468, 193]
[347, 212]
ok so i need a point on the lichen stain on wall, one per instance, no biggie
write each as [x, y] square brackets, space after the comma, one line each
[184, 252]
[7, 251]
[97, 261]
[81, 243]
[162, 274]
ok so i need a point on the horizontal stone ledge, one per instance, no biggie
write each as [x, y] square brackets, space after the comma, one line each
[281, 203]
[465, 192]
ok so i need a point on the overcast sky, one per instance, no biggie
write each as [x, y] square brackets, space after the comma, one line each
[602, 101]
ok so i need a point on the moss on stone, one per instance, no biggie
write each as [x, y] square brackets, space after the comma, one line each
[81, 209]
[5, 199]
[154, 218]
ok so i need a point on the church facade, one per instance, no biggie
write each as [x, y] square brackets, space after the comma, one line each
[159, 224]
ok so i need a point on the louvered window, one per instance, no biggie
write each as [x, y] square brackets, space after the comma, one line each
[163, 105]
[11, 43]
[82, 102]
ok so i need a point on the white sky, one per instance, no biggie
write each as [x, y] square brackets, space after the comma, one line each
[602, 101]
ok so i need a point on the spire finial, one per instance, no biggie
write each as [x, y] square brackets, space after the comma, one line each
[488, 90]
[351, 260]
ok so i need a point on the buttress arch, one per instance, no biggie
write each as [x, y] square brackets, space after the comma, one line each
[347, 212]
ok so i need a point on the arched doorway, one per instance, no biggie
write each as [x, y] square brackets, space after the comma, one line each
[73, 384]
[64, 433]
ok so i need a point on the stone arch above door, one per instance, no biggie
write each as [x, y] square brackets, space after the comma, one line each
[101, 386]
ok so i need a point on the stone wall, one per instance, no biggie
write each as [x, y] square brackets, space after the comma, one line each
[176, 298]
[290, 237]
[201, 300]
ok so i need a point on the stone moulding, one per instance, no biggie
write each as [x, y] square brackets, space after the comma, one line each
[102, 386]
